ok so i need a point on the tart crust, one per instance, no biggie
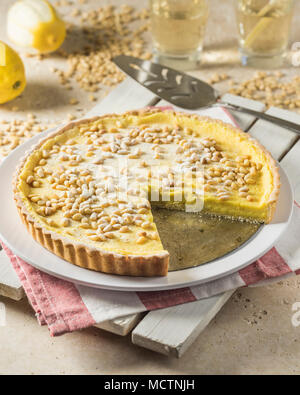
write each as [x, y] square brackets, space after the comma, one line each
[86, 256]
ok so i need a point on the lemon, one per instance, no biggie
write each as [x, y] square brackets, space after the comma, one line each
[34, 24]
[12, 74]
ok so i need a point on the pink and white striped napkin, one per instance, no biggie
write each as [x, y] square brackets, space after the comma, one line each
[66, 307]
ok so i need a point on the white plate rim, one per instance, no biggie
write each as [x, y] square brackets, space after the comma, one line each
[252, 250]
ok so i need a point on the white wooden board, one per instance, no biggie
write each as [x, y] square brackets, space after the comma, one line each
[173, 330]
[276, 139]
[10, 285]
[130, 95]
[244, 120]
[121, 326]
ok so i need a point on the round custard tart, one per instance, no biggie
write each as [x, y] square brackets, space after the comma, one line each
[85, 192]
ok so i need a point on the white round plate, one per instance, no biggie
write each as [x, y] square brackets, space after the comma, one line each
[14, 234]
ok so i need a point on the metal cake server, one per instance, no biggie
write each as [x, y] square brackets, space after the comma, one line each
[183, 90]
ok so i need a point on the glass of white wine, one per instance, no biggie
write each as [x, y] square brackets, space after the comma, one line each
[264, 30]
[178, 29]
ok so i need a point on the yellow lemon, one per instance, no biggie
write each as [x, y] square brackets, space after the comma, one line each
[34, 24]
[12, 74]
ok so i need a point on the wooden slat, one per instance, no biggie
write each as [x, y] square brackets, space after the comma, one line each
[129, 95]
[244, 120]
[10, 285]
[121, 326]
[275, 138]
[172, 331]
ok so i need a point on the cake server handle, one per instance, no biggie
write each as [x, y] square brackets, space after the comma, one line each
[261, 115]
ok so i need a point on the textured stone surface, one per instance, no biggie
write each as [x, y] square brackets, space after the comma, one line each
[253, 333]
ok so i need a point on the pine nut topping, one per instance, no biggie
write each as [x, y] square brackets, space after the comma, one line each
[141, 240]
[82, 193]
